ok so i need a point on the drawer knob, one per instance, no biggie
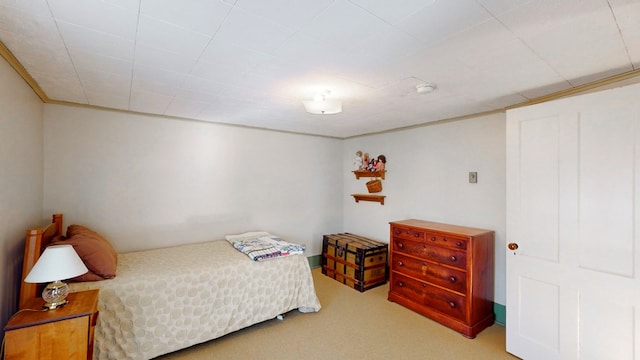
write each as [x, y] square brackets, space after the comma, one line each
[397, 232]
[400, 245]
[453, 279]
[459, 243]
[453, 258]
[400, 284]
[424, 285]
[400, 263]
[416, 235]
[433, 238]
[452, 304]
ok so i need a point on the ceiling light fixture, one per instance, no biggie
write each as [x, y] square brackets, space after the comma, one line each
[320, 105]
[425, 88]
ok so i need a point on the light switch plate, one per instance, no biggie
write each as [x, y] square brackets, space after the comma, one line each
[473, 177]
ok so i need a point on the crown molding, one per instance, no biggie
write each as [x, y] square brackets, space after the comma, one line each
[15, 64]
[592, 86]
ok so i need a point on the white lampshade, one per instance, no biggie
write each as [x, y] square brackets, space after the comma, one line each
[57, 262]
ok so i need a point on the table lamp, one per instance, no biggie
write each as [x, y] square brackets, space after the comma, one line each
[57, 262]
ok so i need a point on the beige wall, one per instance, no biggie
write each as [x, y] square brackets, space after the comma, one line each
[427, 178]
[20, 180]
[147, 182]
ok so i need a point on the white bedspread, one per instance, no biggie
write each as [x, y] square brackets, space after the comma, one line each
[164, 300]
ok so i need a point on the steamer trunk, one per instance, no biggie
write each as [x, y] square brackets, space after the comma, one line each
[354, 260]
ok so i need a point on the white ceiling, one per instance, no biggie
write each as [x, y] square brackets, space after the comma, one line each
[252, 62]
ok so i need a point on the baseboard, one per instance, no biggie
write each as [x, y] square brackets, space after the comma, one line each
[499, 309]
[501, 313]
[315, 261]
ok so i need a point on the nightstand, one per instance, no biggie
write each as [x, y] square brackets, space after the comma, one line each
[64, 333]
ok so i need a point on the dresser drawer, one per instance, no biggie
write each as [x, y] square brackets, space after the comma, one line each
[438, 239]
[430, 272]
[436, 254]
[408, 233]
[446, 241]
[422, 293]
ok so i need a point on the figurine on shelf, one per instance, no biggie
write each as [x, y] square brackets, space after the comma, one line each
[372, 164]
[380, 163]
[357, 163]
[365, 161]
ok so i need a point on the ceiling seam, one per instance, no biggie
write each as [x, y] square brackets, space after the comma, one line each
[196, 60]
[387, 84]
[190, 73]
[133, 61]
[528, 47]
[626, 47]
[66, 48]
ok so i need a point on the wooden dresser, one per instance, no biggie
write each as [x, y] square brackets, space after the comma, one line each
[444, 272]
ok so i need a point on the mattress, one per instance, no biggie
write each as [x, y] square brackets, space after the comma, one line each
[163, 300]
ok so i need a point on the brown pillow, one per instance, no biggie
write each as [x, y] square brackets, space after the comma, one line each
[95, 251]
[88, 276]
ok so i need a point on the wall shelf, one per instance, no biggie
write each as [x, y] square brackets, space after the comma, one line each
[367, 173]
[367, 197]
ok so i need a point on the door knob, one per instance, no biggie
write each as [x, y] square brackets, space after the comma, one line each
[512, 246]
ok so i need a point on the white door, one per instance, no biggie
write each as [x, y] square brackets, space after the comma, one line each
[573, 190]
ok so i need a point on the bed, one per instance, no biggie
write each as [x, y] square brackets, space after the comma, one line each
[164, 300]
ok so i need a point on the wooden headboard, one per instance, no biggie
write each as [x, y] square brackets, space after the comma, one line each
[36, 241]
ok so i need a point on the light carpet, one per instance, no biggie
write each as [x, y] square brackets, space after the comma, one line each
[350, 325]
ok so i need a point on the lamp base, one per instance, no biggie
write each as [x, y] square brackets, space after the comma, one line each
[55, 305]
[55, 295]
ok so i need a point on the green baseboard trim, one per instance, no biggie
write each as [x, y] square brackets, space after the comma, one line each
[501, 313]
[315, 261]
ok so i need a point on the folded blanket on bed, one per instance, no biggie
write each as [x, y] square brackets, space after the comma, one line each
[260, 245]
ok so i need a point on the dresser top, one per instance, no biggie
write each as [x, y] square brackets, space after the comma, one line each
[447, 228]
